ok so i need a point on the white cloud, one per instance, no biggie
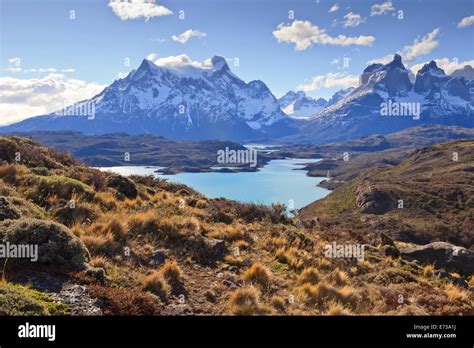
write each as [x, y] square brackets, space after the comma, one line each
[334, 8]
[420, 47]
[381, 9]
[24, 98]
[353, 20]
[37, 70]
[330, 80]
[304, 34]
[335, 61]
[15, 60]
[448, 65]
[178, 62]
[188, 34]
[384, 60]
[466, 21]
[134, 9]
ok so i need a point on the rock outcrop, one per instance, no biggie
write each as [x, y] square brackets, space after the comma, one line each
[443, 255]
[373, 200]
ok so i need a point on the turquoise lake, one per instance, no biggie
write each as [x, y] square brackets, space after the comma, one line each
[279, 181]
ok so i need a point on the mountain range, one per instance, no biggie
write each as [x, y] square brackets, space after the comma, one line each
[209, 101]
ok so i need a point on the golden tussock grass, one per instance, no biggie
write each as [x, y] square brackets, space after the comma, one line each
[455, 293]
[234, 260]
[100, 243]
[322, 294]
[279, 304]
[100, 261]
[171, 271]
[12, 173]
[338, 278]
[259, 274]
[335, 308]
[309, 275]
[245, 301]
[291, 256]
[157, 284]
[233, 233]
[428, 271]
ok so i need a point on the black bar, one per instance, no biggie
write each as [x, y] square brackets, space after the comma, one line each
[241, 330]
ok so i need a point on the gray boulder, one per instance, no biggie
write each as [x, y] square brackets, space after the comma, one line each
[442, 255]
[56, 245]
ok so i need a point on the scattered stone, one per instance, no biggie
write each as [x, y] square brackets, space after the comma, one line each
[178, 309]
[159, 256]
[79, 300]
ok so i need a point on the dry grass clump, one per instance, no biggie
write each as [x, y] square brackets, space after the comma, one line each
[246, 301]
[338, 278]
[12, 173]
[456, 294]
[171, 271]
[323, 264]
[278, 242]
[293, 257]
[106, 200]
[259, 274]
[309, 275]
[364, 266]
[100, 261]
[116, 228]
[163, 228]
[335, 308]
[233, 233]
[279, 304]
[322, 294]
[157, 284]
[234, 260]
[428, 271]
[100, 243]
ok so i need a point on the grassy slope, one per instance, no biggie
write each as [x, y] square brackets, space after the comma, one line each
[272, 265]
[437, 195]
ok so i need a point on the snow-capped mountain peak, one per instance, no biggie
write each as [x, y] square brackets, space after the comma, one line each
[298, 105]
[180, 98]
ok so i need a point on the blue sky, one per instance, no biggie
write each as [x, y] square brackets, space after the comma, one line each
[287, 52]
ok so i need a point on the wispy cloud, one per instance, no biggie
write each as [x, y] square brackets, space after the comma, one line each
[334, 8]
[381, 9]
[24, 98]
[188, 34]
[330, 80]
[448, 65]
[353, 20]
[177, 62]
[135, 9]
[465, 22]
[421, 46]
[303, 34]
